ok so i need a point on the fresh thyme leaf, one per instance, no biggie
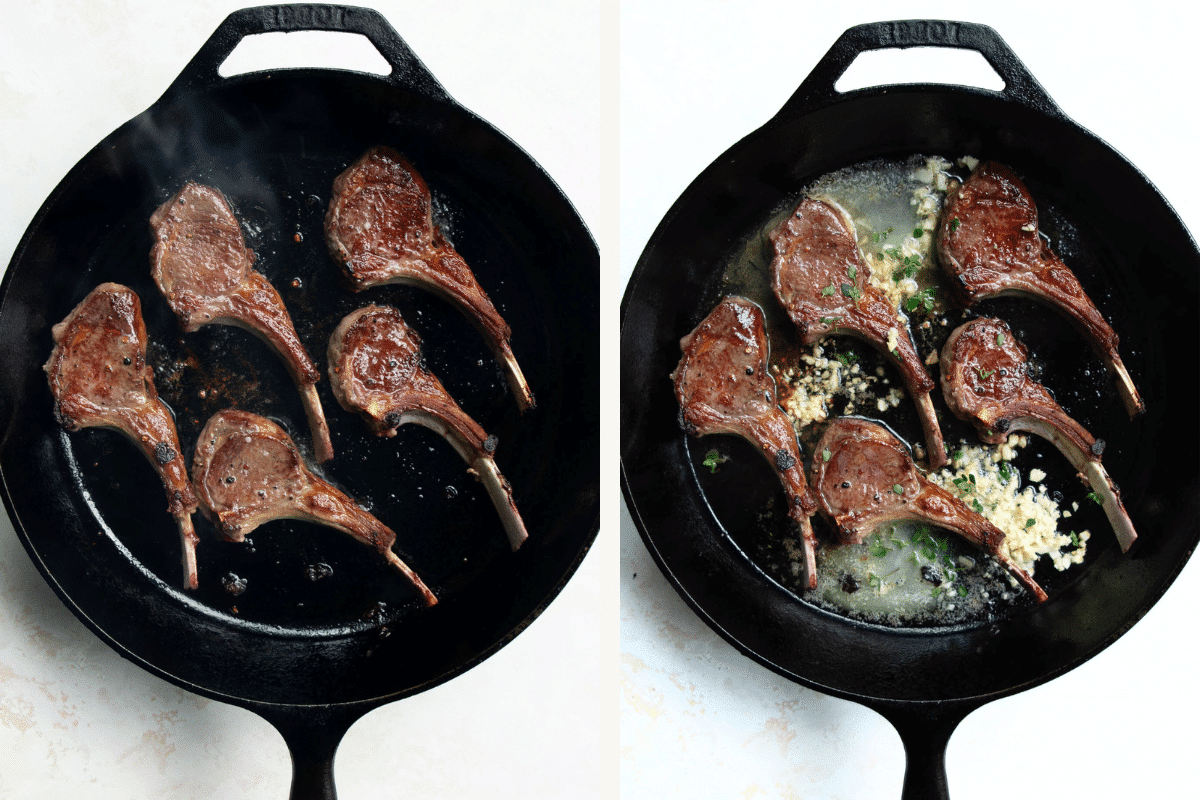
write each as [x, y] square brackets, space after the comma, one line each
[918, 233]
[1095, 498]
[711, 460]
[954, 223]
[826, 455]
[828, 290]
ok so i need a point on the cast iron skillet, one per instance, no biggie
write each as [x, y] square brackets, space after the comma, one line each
[322, 631]
[1130, 250]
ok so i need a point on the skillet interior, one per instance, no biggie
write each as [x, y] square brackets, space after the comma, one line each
[1105, 209]
[90, 510]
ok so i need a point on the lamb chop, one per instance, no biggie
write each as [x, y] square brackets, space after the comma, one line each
[379, 228]
[99, 378]
[985, 379]
[376, 371]
[989, 243]
[202, 266]
[864, 478]
[821, 279]
[247, 471]
[723, 386]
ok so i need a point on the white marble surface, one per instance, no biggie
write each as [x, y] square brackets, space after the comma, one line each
[700, 720]
[538, 719]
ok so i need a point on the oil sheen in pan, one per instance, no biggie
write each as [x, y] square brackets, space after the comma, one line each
[906, 575]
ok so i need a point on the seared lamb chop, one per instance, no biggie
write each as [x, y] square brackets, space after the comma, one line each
[821, 278]
[247, 471]
[202, 266]
[376, 371]
[985, 379]
[864, 478]
[988, 241]
[379, 228]
[723, 386]
[99, 377]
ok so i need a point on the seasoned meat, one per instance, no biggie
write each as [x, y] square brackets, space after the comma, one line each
[986, 381]
[864, 478]
[204, 269]
[247, 471]
[821, 279]
[376, 371]
[723, 386]
[99, 378]
[989, 243]
[379, 228]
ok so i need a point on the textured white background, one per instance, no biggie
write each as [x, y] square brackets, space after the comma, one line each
[537, 720]
[698, 720]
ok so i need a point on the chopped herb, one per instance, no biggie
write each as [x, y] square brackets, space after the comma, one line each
[922, 300]
[978, 506]
[826, 455]
[853, 271]
[898, 489]
[846, 359]
[958, 455]
[962, 590]
[829, 320]
[899, 543]
[999, 340]
[1075, 538]
[1029, 523]
[954, 223]
[873, 580]
[877, 548]
[828, 290]
[918, 233]
[1006, 471]
[712, 459]
[853, 292]
[984, 375]
[1095, 498]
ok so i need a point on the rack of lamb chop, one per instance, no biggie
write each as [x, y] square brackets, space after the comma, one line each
[821, 279]
[864, 478]
[985, 379]
[204, 269]
[723, 386]
[989, 243]
[376, 371]
[99, 378]
[380, 229]
[247, 471]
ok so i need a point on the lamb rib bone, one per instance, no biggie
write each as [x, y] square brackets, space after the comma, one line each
[380, 229]
[247, 471]
[722, 386]
[990, 245]
[985, 379]
[205, 271]
[864, 478]
[99, 378]
[376, 371]
[821, 279]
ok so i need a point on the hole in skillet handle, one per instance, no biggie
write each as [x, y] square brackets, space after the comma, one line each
[278, 50]
[919, 65]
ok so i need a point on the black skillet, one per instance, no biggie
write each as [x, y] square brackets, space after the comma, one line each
[1129, 249]
[305, 627]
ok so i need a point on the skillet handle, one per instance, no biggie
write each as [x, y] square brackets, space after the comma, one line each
[925, 731]
[201, 73]
[1020, 86]
[312, 734]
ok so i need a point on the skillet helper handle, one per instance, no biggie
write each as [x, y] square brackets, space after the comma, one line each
[312, 734]
[1020, 86]
[925, 732]
[201, 73]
